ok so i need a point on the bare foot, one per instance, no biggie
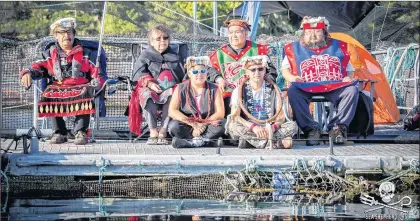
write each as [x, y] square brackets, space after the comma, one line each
[154, 132]
[162, 132]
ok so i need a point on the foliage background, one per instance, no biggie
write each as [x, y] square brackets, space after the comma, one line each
[31, 20]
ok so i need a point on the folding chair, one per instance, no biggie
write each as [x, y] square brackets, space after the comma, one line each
[324, 110]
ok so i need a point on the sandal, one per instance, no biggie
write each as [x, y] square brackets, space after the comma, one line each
[152, 141]
[162, 141]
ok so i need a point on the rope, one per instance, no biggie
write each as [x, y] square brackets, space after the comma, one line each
[297, 164]
[373, 24]
[102, 208]
[61, 4]
[37, 132]
[415, 165]
[319, 165]
[102, 169]
[400, 63]
[185, 16]
[383, 23]
[179, 207]
[3, 209]
[277, 50]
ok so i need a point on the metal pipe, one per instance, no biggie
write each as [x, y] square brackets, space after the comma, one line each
[215, 22]
[195, 18]
[256, 15]
[1, 86]
[34, 138]
[101, 37]
[416, 79]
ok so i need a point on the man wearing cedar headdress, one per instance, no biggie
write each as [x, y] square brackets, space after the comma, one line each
[71, 68]
[257, 116]
[226, 69]
[319, 65]
[196, 108]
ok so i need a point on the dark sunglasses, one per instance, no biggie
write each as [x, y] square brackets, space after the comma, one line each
[64, 31]
[164, 38]
[256, 69]
[201, 71]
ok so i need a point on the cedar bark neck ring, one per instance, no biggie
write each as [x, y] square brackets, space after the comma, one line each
[246, 112]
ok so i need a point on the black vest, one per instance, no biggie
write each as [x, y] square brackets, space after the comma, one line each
[272, 98]
[203, 102]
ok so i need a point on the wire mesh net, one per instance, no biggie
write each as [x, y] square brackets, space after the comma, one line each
[243, 185]
[17, 103]
[381, 29]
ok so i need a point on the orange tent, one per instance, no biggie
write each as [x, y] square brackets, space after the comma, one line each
[366, 67]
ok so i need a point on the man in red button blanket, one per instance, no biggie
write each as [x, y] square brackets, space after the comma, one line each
[227, 71]
[71, 67]
[319, 65]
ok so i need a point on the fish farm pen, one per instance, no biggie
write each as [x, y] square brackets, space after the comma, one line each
[117, 176]
[201, 181]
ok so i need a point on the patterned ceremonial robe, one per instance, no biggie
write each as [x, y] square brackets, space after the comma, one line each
[69, 93]
[79, 65]
[322, 69]
[227, 63]
[165, 69]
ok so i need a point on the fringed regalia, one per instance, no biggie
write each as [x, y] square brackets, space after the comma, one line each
[66, 100]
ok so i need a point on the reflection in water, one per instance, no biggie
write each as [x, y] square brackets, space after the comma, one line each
[298, 193]
[277, 206]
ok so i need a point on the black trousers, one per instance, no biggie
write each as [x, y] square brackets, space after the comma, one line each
[81, 123]
[344, 98]
[226, 102]
[184, 131]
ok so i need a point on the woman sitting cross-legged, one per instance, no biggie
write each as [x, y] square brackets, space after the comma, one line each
[196, 108]
[257, 116]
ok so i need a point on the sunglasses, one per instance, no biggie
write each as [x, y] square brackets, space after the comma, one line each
[162, 38]
[64, 31]
[201, 71]
[256, 69]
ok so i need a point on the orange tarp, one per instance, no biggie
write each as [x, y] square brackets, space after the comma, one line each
[366, 67]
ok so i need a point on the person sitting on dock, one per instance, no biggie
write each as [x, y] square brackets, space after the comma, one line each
[71, 68]
[226, 70]
[319, 65]
[196, 108]
[257, 115]
[156, 72]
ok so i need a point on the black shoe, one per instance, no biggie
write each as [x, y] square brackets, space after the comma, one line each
[58, 139]
[242, 144]
[210, 144]
[80, 138]
[313, 137]
[339, 134]
[180, 143]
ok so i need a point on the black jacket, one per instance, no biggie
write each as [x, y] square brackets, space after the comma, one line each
[150, 62]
